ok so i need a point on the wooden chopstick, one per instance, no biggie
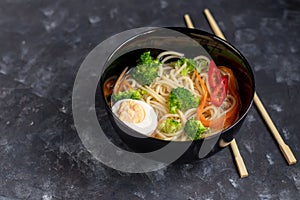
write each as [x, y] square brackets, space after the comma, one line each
[214, 26]
[188, 21]
[238, 159]
[285, 149]
[237, 156]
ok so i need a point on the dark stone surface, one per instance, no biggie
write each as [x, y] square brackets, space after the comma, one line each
[42, 46]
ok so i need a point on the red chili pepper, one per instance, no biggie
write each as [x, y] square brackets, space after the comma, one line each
[225, 82]
[214, 75]
[218, 84]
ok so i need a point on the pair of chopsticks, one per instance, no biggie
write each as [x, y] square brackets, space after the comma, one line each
[285, 149]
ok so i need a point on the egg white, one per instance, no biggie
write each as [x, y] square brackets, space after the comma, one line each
[149, 123]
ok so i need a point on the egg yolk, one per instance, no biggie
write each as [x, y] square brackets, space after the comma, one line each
[132, 112]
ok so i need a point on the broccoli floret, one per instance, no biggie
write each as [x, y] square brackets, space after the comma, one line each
[182, 99]
[190, 65]
[169, 126]
[146, 58]
[194, 129]
[146, 70]
[201, 64]
[128, 94]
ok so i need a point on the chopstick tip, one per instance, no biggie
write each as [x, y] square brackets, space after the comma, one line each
[206, 10]
[188, 21]
[186, 16]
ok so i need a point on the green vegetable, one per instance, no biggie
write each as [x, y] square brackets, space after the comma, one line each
[146, 58]
[201, 64]
[146, 70]
[190, 65]
[194, 129]
[128, 94]
[169, 126]
[182, 99]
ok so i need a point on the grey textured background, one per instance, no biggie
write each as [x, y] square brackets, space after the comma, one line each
[42, 46]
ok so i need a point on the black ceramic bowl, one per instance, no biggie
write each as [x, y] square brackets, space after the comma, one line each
[187, 40]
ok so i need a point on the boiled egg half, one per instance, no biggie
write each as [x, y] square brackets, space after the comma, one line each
[136, 114]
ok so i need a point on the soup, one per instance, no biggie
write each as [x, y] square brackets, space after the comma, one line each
[168, 96]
